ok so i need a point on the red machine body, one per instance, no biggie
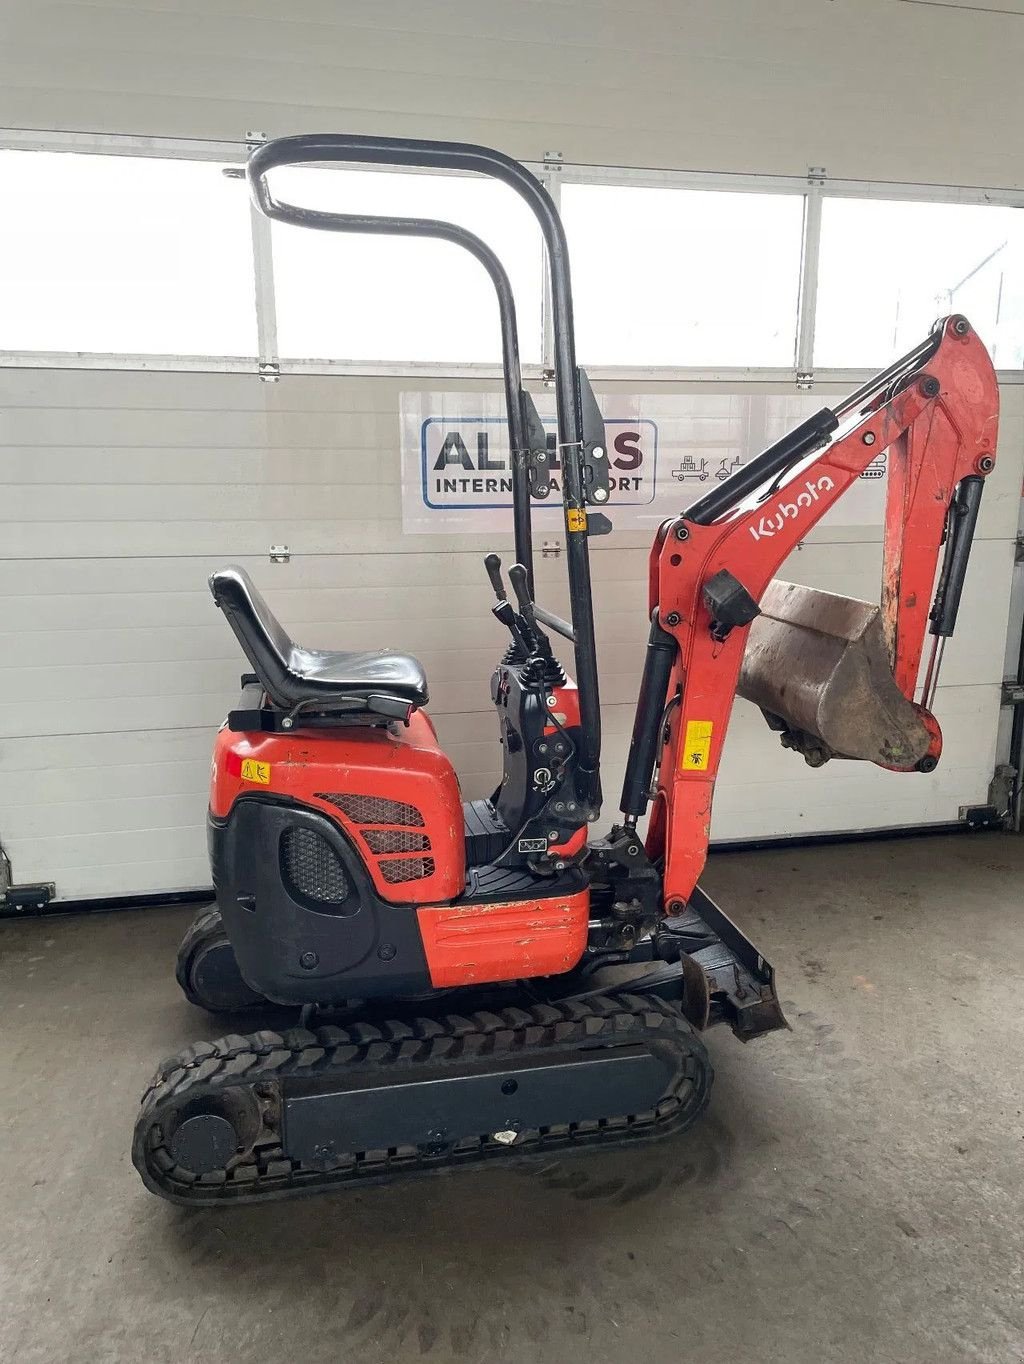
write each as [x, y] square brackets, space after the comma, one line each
[395, 796]
[392, 790]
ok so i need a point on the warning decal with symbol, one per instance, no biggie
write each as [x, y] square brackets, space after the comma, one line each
[697, 745]
[256, 771]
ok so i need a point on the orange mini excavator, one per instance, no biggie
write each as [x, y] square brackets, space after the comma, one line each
[454, 965]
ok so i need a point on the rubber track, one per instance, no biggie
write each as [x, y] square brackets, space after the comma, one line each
[206, 929]
[209, 1068]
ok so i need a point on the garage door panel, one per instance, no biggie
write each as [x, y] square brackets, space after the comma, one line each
[108, 466]
[191, 503]
[159, 393]
[176, 645]
[101, 428]
[67, 778]
[303, 574]
[86, 865]
[103, 813]
[27, 754]
[225, 540]
[758, 776]
[151, 714]
[104, 695]
[121, 492]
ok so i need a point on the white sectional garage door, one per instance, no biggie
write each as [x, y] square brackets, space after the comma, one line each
[121, 491]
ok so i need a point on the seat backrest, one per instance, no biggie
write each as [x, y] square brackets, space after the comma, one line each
[264, 640]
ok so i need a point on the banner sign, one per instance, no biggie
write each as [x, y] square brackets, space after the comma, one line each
[663, 452]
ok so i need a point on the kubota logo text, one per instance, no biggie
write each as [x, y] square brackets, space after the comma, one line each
[787, 511]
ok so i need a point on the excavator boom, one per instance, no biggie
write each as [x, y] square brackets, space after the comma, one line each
[835, 676]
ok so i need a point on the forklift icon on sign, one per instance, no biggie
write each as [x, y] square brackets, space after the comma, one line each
[689, 469]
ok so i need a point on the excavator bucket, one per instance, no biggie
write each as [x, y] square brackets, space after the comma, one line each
[818, 666]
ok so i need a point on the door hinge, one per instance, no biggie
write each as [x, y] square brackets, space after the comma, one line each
[1000, 790]
[1018, 550]
[981, 817]
[1012, 693]
[18, 899]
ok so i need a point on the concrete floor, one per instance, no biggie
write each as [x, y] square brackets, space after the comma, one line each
[855, 1193]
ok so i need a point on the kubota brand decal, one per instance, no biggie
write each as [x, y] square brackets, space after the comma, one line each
[697, 748]
[786, 511]
[256, 771]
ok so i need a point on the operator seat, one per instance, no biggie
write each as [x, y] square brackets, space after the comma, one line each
[380, 681]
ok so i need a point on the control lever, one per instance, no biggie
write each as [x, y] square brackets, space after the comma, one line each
[542, 645]
[503, 611]
[517, 577]
[493, 566]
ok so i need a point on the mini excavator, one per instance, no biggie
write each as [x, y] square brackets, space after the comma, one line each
[455, 966]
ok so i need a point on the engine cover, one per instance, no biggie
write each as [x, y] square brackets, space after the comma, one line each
[302, 914]
[391, 789]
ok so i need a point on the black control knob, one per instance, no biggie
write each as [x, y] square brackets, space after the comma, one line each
[493, 566]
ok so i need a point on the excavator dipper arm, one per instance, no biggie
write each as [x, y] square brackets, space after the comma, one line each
[822, 667]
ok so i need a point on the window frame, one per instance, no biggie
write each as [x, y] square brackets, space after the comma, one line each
[553, 171]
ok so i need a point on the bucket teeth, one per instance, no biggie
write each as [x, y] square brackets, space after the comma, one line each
[819, 664]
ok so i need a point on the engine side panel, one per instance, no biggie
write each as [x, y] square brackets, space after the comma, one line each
[471, 944]
[303, 919]
[393, 791]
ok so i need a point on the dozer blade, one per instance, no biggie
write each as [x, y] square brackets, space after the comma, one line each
[818, 666]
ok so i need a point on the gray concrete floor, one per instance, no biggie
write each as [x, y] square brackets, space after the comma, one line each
[854, 1194]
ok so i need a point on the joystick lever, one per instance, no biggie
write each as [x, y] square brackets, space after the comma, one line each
[503, 611]
[550, 667]
[493, 566]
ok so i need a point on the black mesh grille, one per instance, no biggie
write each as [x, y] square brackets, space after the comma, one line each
[374, 809]
[312, 868]
[406, 869]
[395, 841]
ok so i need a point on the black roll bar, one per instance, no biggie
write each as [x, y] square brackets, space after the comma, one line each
[397, 151]
[383, 225]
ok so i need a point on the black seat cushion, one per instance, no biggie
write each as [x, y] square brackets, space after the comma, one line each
[292, 675]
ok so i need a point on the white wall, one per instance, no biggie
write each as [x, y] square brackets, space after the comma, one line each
[878, 89]
[121, 491]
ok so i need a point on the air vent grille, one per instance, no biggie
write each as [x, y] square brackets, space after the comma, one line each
[374, 809]
[406, 869]
[395, 841]
[312, 868]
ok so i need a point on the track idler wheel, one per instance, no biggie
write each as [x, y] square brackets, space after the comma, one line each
[207, 970]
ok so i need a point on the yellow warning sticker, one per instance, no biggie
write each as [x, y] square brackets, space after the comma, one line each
[697, 748]
[576, 518]
[254, 771]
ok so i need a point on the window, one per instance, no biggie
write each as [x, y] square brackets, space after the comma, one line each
[888, 269]
[683, 277]
[400, 299]
[123, 253]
